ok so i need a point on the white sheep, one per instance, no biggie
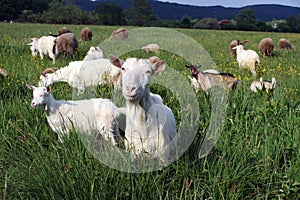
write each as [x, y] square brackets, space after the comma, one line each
[150, 125]
[247, 58]
[44, 45]
[82, 74]
[92, 116]
[151, 48]
[210, 78]
[259, 85]
[93, 54]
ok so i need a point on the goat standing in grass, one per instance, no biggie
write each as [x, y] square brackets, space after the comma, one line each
[90, 116]
[211, 78]
[150, 125]
[247, 58]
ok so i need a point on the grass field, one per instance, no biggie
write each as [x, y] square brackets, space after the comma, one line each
[256, 157]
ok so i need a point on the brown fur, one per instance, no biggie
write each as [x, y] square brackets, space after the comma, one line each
[266, 46]
[285, 44]
[63, 30]
[66, 43]
[86, 34]
[120, 33]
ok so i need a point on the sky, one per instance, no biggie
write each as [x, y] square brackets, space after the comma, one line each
[234, 3]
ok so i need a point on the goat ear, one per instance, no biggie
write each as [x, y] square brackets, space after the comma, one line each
[30, 87]
[48, 89]
[159, 66]
[43, 74]
[188, 66]
[115, 61]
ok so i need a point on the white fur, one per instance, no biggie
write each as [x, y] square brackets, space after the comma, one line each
[259, 85]
[82, 74]
[93, 54]
[150, 125]
[247, 58]
[44, 46]
[89, 116]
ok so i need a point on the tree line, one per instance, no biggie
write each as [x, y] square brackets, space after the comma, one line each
[138, 14]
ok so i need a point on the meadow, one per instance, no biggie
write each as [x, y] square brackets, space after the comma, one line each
[256, 157]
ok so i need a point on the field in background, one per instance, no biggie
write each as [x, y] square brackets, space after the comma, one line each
[256, 157]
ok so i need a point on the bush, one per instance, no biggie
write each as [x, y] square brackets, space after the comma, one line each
[207, 23]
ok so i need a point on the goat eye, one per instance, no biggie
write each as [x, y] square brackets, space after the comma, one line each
[148, 72]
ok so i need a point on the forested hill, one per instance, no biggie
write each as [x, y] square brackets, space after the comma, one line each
[166, 10]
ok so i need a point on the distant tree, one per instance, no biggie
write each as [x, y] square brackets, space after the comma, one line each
[246, 20]
[110, 14]
[291, 22]
[140, 13]
[185, 22]
[61, 13]
[207, 23]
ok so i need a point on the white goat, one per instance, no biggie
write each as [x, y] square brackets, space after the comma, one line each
[44, 45]
[247, 58]
[150, 125]
[87, 116]
[259, 85]
[93, 54]
[82, 74]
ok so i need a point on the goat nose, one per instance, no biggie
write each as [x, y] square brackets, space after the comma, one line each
[32, 104]
[130, 88]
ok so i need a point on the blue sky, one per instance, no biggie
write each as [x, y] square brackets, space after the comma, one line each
[235, 3]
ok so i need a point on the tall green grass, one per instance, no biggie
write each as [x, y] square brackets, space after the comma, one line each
[256, 157]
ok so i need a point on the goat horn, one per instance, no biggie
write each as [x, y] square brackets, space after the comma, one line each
[51, 69]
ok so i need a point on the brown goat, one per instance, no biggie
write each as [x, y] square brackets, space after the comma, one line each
[285, 44]
[66, 44]
[266, 46]
[235, 43]
[63, 30]
[86, 34]
[208, 80]
[120, 33]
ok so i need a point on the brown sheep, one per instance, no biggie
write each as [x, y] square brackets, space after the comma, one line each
[63, 30]
[285, 44]
[66, 44]
[266, 46]
[86, 34]
[235, 43]
[120, 33]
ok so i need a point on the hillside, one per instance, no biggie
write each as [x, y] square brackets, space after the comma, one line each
[165, 10]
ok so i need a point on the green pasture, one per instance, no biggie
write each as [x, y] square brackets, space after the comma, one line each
[256, 157]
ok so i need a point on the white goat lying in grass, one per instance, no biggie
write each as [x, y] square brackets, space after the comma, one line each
[44, 46]
[246, 58]
[150, 125]
[208, 79]
[91, 116]
[83, 74]
[259, 85]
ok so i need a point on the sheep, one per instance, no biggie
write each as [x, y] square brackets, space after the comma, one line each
[86, 34]
[266, 46]
[259, 85]
[66, 43]
[93, 54]
[285, 44]
[247, 58]
[120, 33]
[234, 43]
[151, 48]
[82, 74]
[89, 116]
[211, 78]
[63, 30]
[44, 45]
[3, 72]
[150, 125]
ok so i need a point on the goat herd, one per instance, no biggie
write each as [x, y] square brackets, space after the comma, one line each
[143, 133]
